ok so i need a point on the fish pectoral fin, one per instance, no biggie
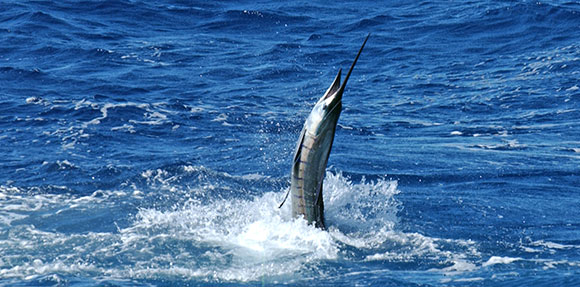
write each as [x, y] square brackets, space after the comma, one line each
[285, 197]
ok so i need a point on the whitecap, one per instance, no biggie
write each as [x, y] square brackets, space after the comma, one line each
[500, 260]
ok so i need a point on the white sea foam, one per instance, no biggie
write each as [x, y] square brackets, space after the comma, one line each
[220, 118]
[207, 239]
[245, 240]
[500, 260]
[37, 101]
[125, 128]
[459, 266]
[108, 106]
[221, 239]
[409, 247]
[553, 245]
[235, 239]
[151, 115]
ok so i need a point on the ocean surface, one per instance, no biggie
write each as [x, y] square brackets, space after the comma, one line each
[149, 143]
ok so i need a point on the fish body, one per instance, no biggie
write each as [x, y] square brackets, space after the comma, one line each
[312, 151]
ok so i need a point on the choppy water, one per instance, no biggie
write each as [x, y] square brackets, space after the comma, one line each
[148, 143]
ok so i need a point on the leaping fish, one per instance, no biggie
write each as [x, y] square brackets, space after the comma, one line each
[312, 151]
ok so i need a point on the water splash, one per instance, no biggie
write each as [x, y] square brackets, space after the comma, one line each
[218, 238]
[207, 238]
[246, 240]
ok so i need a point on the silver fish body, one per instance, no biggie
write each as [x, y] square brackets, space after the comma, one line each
[312, 151]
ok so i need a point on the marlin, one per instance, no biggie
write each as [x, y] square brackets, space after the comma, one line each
[312, 151]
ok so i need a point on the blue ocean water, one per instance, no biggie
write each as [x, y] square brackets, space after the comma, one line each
[148, 143]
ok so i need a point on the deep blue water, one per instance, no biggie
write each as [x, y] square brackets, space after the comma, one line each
[148, 143]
